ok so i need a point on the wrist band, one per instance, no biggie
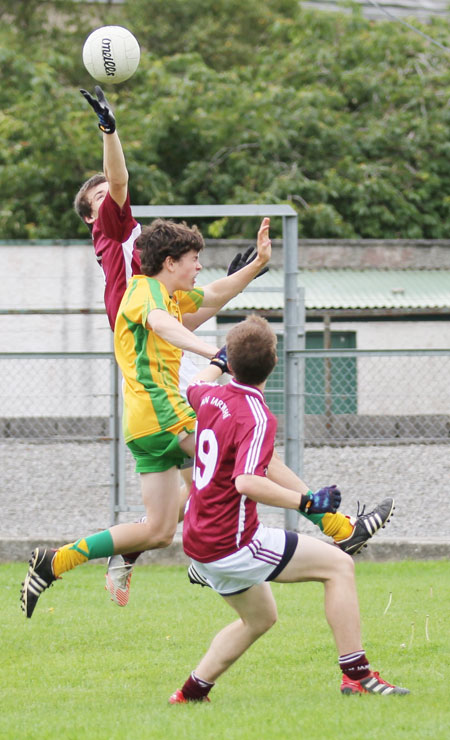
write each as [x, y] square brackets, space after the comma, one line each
[305, 501]
[218, 363]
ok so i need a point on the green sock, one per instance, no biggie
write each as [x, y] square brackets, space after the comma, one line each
[99, 545]
[314, 518]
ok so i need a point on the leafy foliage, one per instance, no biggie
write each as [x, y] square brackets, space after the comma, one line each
[344, 118]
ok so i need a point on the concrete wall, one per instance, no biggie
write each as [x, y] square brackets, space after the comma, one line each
[358, 254]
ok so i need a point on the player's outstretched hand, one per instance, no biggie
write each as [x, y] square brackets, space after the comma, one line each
[242, 260]
[326, 500]
[107, 122]
[263, 243]
[220, 359]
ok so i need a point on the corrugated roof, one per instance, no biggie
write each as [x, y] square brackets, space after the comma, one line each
[345, 289]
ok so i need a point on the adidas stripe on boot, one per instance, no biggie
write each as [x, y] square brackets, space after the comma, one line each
[38, 578]
[371, 684]
[366, 525]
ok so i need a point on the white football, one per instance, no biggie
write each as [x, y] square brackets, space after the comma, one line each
[111, 54]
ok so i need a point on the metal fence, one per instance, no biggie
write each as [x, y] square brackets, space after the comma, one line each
[353, 397]
[69, 396]
[55, 405]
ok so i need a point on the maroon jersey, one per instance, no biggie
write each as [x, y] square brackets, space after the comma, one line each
[114, 234]
[235, 436]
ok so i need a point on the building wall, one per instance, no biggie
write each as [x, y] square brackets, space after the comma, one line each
[50, 277]
[393, 334]
[399, 385]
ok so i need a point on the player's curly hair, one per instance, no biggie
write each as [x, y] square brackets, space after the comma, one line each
[252, 350]
[165, 238]
[81, 203]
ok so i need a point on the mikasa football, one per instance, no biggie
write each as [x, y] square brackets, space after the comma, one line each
[111, 54]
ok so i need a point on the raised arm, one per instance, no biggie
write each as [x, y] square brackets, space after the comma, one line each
[114, 165]
[193, 320]
[115, 168]
[218, 293]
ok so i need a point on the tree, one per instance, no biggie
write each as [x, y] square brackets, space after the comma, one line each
[343, 118]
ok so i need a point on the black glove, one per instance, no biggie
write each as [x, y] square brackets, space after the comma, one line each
[326, 500]
[220, 359]
[101, 107]
[242, 260]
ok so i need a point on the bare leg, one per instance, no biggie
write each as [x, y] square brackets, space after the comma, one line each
[186, 474]
[161, 498]
[315, 560]
[258, 612]
[185, 487]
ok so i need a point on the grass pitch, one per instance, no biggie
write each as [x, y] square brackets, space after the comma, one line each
[83, 667]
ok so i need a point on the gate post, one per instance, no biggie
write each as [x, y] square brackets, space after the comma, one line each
[294, 332]
[114, 444]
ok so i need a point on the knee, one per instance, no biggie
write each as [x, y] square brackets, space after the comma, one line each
[158, 539]
[271, 620]
[345, 565]
[264, 623]
[162, 541]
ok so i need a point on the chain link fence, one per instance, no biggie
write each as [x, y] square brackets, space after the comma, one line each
[376, 397]
[60, 418]
[354, 397]
[68, 396]
[58, 443]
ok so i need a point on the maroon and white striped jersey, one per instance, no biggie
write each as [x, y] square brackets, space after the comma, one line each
[114, 234]
[235, 436]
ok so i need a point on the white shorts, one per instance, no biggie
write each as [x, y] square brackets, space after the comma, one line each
[187, 371]
[266, 555]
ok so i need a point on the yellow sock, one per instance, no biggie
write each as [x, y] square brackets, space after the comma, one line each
[69, 556]
[338, 526]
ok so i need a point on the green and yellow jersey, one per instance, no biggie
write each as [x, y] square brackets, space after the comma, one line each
[150, 365]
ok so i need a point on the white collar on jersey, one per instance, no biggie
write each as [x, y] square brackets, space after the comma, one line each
[247, 388]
